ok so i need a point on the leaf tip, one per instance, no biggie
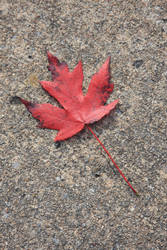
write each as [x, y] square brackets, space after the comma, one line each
[52, 59]
[49, 54]
[109, 58]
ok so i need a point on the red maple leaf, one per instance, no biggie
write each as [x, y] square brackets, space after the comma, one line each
[78, 109]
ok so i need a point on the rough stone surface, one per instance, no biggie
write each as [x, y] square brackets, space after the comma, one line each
[68, 195]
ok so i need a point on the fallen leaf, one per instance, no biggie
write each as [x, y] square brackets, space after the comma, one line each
[78, 110]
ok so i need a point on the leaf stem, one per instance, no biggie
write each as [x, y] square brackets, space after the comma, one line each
[121, 173]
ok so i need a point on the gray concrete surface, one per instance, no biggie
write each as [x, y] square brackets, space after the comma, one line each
[68, 195]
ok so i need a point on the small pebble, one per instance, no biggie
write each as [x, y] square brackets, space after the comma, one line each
[137, 63]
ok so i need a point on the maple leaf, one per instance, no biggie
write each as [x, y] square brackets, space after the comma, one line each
[78, 110]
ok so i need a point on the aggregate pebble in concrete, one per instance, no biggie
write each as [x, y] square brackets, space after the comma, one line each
[68, 195]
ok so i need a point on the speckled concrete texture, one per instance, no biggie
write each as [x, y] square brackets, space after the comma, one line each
[68, 195]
